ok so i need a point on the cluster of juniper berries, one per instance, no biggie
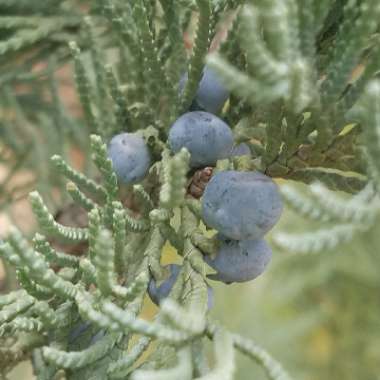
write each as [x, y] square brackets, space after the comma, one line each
[241, 205]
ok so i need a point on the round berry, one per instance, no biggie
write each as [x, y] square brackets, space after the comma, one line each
[159, 293]
[78, 331]
[130, 157]
[239, 260]
[206, 137]
[211, 94]
[210, 298]
[241, 205]
[240, 150]
[84, 333]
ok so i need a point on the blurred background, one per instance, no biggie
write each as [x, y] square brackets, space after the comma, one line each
[319, 314]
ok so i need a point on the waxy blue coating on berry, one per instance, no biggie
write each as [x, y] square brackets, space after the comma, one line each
[239, 260]
[241, 150]
[83, 333]
[130, 157]
[206, 137]
[241, 205]
[211, 94]
[78, 331]
[157, 294]
[210, 298]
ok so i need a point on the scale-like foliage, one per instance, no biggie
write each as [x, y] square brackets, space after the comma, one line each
[290, 68]
[343, 236]
[98, 293]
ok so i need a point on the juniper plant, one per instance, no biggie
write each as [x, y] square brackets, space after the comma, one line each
[290, 69]
[338, 264]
